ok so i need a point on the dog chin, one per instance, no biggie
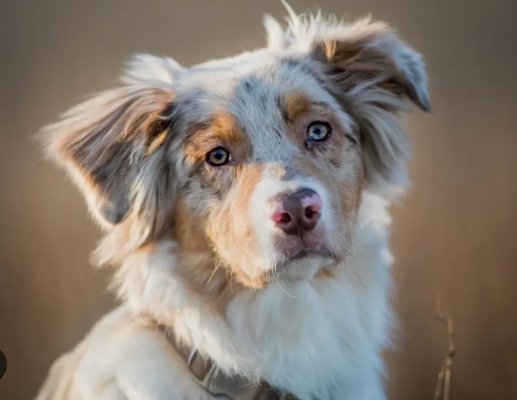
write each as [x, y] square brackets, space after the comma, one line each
[302, 267]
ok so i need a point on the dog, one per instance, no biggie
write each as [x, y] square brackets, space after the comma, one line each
[245, 209]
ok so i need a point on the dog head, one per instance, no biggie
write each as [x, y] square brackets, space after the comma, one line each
[259, 160]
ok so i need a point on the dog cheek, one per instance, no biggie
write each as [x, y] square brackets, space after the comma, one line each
[233, 242]
[232, 231]
[344, 174]
[188, 227]
[350, 186]
[221, 229]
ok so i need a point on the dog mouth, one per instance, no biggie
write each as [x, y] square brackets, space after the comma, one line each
[299, 248]
[302, 264]
[304, 253]
[296, 255]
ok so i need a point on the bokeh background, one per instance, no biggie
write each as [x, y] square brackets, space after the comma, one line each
[454, 232]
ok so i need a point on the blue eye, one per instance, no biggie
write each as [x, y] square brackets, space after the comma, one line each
[218, 156]
[318, 131]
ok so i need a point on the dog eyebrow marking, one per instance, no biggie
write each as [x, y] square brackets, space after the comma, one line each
[295, 104]
[221, 129]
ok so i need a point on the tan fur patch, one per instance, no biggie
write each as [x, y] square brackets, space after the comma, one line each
[223, 130]
[231, 230]
[295, 104]
[156, 142]
[326, 272]
[199, 266]
[249, 178]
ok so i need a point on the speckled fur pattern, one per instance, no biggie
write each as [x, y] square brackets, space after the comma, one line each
[191, 244]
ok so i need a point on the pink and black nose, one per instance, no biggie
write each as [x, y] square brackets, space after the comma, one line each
[298, 212]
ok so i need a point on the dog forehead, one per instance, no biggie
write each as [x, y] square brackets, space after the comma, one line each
[216, 79]
[250, 87]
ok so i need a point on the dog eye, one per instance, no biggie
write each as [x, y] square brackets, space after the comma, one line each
[218, 156]
[318, 131]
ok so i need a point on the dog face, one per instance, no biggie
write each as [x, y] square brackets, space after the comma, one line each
[269, 167]
[258, 160]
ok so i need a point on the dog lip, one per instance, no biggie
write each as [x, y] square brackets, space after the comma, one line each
[299, 255]
[303, 253]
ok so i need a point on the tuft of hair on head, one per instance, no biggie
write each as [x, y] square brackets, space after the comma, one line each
[371, 72]
[111, 146]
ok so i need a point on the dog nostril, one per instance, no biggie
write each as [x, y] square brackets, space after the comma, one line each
[285, 218]
[309, 213]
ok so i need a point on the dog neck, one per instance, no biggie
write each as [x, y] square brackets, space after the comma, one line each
[207, 375]
[301, 337]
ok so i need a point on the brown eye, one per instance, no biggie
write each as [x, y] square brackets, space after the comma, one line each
[318, 131]
[218, 156]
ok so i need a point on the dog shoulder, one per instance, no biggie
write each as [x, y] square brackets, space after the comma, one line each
[108, 364]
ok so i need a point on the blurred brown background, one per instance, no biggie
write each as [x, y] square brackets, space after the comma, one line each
[454, 233]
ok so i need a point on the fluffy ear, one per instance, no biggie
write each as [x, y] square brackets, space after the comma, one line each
[371, 72]
[112, 145]
[369, 53]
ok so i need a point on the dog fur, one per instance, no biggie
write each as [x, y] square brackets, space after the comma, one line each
[191, 243]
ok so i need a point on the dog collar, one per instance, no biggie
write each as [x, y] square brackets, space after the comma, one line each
[205, 372]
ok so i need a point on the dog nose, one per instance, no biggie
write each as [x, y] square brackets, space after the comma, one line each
[297, 212]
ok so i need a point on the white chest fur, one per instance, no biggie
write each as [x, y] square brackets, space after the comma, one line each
[319, 339]
[315, 337]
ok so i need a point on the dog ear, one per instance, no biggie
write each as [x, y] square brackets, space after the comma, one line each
[113, 145]
[370, 71]
[369, 53]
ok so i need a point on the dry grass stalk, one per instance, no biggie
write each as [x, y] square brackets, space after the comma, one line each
[444, 377]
